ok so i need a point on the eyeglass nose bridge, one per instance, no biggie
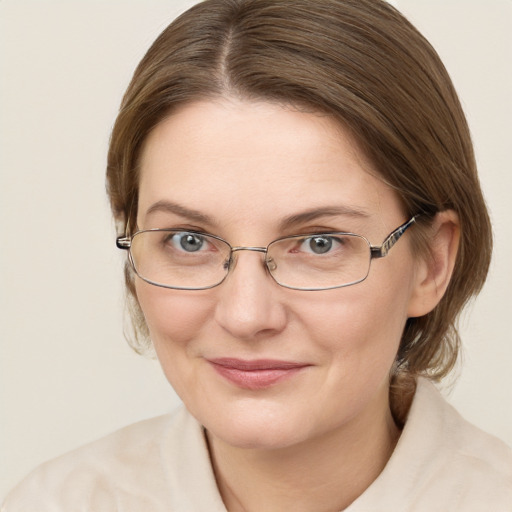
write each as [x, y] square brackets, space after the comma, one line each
[256, 249]
[269, 262]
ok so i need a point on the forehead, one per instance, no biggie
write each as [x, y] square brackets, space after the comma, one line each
[260, 160]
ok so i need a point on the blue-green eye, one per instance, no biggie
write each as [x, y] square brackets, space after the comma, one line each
[319, 244]
[188, 242]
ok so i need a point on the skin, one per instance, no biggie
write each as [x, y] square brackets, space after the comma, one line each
[244, 167]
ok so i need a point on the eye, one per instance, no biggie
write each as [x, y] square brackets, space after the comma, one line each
[188, 242]
[320, 244]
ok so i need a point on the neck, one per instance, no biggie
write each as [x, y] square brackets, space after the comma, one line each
[323, 474]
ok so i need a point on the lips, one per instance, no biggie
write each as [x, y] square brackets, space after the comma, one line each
[256, 374]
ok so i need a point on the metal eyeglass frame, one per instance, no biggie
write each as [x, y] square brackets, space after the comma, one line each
[376, 252]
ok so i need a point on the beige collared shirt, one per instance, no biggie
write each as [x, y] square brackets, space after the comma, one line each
[441, 463]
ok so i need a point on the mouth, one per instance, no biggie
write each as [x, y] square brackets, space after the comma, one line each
[256, 374]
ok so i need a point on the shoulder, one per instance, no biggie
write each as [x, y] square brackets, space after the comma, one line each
[471, 467]
[122, 471]
[453, 461]
[441, 462]
[456, 439]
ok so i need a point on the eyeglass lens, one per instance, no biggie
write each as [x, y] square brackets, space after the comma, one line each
[187, 260]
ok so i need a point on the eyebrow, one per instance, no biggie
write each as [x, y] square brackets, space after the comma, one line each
[286, 223]
[317, 213]
[178, 209]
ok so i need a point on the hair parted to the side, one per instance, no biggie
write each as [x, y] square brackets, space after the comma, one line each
[363, 63]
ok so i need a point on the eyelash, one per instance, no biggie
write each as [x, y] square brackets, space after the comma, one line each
[190, 228]
[324, 230]
[306, 230]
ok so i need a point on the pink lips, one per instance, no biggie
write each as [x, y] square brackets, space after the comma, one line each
[256, 374]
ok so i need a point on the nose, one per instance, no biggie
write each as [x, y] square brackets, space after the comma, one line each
[249, 306]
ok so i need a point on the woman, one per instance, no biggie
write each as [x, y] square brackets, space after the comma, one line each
[295, 186]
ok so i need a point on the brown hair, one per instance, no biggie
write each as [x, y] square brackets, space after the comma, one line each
[360, 61]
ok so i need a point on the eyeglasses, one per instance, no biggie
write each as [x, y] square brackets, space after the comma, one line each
[191, 260]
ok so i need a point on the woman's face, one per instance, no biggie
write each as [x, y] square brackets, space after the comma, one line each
[257, 364]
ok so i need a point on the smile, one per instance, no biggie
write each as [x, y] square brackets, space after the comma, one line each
[257, 374]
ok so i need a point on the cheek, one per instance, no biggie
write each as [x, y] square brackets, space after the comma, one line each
[174, 317]
[362, 324]
[176, 320]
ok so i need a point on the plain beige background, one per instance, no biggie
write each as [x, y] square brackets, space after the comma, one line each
[66, 373]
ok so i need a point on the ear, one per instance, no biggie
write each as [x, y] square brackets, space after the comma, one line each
[434, 269]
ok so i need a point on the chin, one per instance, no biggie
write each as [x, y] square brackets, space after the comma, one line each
[264, 431]
[257, 438]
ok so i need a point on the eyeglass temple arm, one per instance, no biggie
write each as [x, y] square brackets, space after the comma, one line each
[391, 239]
[123, 242]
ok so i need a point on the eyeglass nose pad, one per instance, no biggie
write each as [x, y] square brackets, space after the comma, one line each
[271, 264]
[228, 263]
